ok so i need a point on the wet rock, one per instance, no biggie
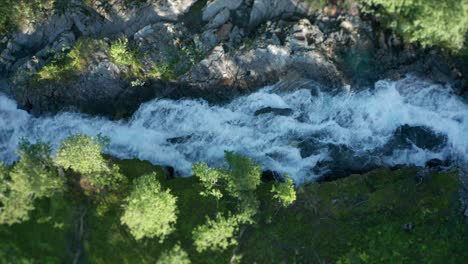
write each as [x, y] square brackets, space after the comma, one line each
[275, 111]
[269, 175]
[169, 172]
[420, 136]
[434, 163]
[179, 140]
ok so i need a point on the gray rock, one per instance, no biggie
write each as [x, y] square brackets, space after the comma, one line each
[264, 10]
[305, 35]
[275, 111]
[217, 6]
[221, 18]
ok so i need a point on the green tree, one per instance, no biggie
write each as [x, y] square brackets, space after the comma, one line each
[284, 191]
[431, 22]
[150, 211]
[174, 256]
[211, 179]
[244, 174]
[83, 154]
[217, 234]
[32, 177]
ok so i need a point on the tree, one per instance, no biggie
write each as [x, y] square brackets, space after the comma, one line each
[284, 191]
[32, 177]
[211, 179]
[83, 155]
[217, 234]
[174, 256]
[431, 22]
[244, 174]
[150, 211]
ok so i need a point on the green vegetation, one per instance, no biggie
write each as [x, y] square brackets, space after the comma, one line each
[284, 192]
[224, 214]
[32, 177]
[174, 256]
[149, 211]
[217, 234]
[83, 155]
[430, 22]
[14, 13]
[124, 56]
[67, 67]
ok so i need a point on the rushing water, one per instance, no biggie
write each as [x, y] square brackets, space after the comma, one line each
[304, 133]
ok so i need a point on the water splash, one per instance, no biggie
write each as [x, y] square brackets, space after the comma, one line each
[397, 122]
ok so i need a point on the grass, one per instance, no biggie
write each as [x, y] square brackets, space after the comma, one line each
[358, 219]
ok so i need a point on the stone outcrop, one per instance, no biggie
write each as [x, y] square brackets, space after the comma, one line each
[215, 49]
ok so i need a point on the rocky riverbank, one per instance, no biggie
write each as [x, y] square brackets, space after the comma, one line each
[210, 49]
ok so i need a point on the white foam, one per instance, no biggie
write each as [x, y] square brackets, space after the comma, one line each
[363, 121]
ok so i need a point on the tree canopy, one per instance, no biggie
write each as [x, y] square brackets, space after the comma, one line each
[174, 256]
[217, 234]
[32, 177]
[83, 154]
[431, 22]
[284, 192]
[149, 210]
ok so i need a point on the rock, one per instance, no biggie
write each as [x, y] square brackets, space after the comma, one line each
[466, 212]
[221, 18]
[275, 111]
[305, 35]
[433, 163]
[179, 140]
[348, 26]
[224, 32]
[264, 10]
[169, 172]
[408, 227]
[218, 6]
[269, 175]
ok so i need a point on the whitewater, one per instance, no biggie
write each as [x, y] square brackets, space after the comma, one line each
[304, 132]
